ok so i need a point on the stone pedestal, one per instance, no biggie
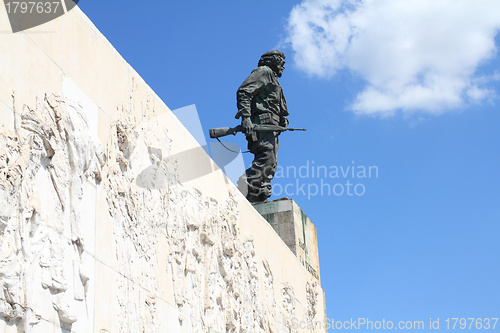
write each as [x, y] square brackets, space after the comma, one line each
[295, 229]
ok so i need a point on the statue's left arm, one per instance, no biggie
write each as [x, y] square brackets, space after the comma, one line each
[283, 111]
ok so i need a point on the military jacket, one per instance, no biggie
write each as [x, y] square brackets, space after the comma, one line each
[261, 97]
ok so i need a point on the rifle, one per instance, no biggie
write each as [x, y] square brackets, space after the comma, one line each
[223, 131]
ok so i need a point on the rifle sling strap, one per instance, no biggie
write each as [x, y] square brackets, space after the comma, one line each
[234, 151]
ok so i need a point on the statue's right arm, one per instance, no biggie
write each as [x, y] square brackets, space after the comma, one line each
[248, 89]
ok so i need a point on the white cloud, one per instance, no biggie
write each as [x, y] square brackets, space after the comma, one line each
[415, 55]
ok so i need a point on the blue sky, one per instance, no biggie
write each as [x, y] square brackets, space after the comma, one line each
[409, 87]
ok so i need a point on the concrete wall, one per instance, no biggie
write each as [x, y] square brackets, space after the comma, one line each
[112, 218]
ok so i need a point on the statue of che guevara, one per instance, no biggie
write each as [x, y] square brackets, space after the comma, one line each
[260, 101]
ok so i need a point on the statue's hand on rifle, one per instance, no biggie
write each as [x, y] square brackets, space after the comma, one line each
[248, 127]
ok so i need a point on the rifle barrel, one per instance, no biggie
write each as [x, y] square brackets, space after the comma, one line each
[223, 131]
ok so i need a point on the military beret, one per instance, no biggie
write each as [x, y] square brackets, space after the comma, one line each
[274, 52]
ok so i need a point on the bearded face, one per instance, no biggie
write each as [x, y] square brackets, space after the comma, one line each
[280, 66]
[274, 60]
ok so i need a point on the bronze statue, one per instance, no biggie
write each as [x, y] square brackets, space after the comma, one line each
[260, 101]
[262, 109]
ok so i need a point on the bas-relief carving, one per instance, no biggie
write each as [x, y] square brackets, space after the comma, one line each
[139, 216]
[218, 281]
[312, 300]
[214, 268]
[44, 165]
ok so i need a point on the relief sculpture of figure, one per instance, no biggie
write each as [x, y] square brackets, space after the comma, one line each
[260, 101]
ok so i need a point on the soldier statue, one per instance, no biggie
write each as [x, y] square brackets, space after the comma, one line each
[260, 101]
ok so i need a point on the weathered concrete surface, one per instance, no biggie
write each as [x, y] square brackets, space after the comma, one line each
[112, 217]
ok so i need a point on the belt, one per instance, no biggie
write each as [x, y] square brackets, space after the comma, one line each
[268, 118]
